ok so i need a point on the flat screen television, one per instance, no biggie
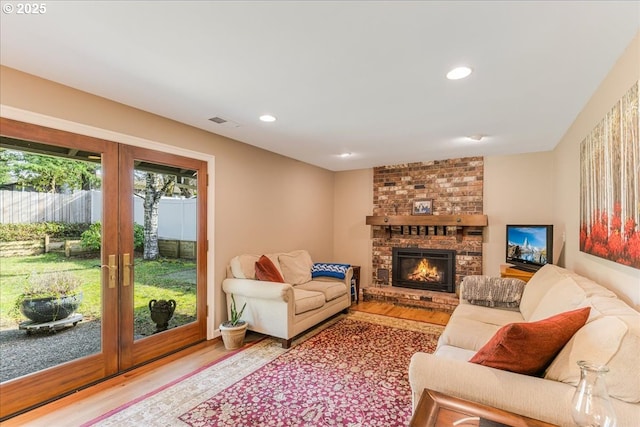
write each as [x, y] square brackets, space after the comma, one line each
[529, 247]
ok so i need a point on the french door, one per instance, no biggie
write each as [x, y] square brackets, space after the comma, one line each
[148, 214]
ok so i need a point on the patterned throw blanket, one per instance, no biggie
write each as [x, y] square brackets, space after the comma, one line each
[492, 291]
[323, 269]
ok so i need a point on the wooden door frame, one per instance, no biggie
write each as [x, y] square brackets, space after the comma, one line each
[132, 352]
[21, 394]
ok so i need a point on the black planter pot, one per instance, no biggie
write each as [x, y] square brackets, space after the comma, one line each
[41, 310]
[161, 313]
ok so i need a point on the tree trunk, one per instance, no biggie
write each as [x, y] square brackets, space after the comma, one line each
[152, 195]
[150, 227]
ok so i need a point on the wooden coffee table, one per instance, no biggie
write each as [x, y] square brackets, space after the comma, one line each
[440, 410]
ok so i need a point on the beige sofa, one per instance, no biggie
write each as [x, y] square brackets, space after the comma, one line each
[284, 310]
[611, 336]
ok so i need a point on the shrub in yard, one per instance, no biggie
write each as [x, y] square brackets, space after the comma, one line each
[138, 237]
[37, 230]
[92, 238]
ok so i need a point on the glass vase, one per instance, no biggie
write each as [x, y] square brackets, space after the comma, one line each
[591, 406]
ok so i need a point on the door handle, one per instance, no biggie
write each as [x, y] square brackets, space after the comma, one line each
[126, 264]
[113, 271]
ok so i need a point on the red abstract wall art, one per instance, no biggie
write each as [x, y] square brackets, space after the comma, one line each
[610, 185]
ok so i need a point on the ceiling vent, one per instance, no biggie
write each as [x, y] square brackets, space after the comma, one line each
[224, 122]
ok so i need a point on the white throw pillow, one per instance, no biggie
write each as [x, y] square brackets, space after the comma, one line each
[537, 287]
[244, 266]
[296, 267]
[596, 341]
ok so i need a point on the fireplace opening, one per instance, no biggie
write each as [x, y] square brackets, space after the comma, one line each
[427, 269]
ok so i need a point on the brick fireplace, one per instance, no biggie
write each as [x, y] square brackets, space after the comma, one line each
[454, 187]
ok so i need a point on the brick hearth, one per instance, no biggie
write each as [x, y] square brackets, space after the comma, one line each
[430, 300]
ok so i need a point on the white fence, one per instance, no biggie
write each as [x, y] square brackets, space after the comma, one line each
[29, 206]
[176, 217]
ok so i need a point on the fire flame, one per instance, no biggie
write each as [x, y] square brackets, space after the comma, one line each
[425, 273]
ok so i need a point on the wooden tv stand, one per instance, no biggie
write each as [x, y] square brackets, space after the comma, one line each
[508, 271]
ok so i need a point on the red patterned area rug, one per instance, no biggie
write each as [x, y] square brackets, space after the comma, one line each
[351, 372]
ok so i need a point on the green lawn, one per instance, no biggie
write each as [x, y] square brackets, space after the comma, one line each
[161, 279]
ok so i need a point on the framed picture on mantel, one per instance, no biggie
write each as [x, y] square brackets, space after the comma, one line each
[422, 207]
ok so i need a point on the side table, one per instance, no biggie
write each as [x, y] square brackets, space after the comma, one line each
[356, 281]
[440, 410]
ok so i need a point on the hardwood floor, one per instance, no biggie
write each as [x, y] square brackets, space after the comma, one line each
[435, 317]
[96, 400]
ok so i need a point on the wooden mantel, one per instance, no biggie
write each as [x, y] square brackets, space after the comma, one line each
[430, 220]
[461, 222]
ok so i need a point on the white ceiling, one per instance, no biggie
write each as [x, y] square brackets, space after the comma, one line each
[365, 77]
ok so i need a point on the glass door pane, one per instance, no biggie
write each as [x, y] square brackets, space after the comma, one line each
[165, 216]
[162, 249]
[51, 298]
[57, 319]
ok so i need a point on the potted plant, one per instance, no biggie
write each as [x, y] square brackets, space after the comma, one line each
[234, 329]
[49, 297]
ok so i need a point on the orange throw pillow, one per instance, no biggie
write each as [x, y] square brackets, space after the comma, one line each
[528, 347]
[265, 270]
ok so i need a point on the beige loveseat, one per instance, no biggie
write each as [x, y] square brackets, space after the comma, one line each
[611, 336]
[284, 310]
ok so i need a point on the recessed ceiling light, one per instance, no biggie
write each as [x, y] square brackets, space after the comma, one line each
[345, 155]
[267, 118]
[476, 137]
[459, 73]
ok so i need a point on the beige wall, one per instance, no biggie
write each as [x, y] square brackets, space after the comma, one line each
[518, 189]
[352, 238]
[263, 201]
[623, 280]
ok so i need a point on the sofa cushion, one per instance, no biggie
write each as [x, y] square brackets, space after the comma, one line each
[467, 333]
[267, 271]
[296, 267]
[596, 341]
[612, 339]
[564, 296]
[307, 300]
[455, 353]
[494, 316]
[330, 290]
[471, 326]
[528, 347]
[539, 284]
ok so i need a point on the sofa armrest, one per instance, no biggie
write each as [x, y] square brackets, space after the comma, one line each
[490, 291]
[250, 288]
[534, 397]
